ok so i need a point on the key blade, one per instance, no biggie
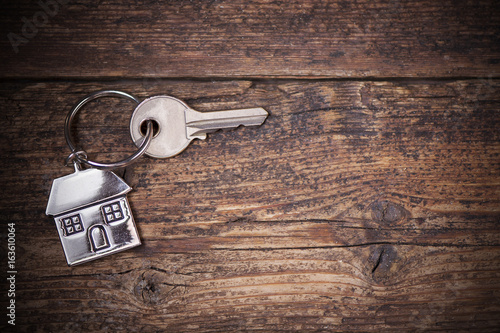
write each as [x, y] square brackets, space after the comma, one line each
[200, 123]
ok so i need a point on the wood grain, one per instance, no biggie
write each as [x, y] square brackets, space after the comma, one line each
[250, 39]
[357, 206]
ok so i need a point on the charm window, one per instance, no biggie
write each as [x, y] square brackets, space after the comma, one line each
[112, 212]
[72, 225]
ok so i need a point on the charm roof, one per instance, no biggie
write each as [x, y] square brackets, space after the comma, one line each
[84, 188]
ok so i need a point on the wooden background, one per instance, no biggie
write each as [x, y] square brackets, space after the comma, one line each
[368, 201]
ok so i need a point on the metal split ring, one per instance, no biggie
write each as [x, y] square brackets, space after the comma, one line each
[78, 155]
[74, 157]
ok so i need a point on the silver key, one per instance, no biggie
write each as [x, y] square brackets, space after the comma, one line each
[178, 124]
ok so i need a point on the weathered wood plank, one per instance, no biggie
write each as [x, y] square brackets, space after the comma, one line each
[356, 206]
[419, 288]
[313, 38]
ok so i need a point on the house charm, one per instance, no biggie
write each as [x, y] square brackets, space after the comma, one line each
[92, 215]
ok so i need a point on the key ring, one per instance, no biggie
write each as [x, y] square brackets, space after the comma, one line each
[78, 156]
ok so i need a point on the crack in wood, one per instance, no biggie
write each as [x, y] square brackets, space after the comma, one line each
[378, 261]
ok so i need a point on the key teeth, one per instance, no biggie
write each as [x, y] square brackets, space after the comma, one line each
[200, 123]
[201, 133]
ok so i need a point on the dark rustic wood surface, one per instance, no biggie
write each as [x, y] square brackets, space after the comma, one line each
[369, 200]
[258, 38]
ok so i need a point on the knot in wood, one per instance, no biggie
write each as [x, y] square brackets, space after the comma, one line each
[387, 212]
[156, 286]
[152, 287]
[382, 260]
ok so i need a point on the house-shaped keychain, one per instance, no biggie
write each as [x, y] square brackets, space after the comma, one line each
[92, 215]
